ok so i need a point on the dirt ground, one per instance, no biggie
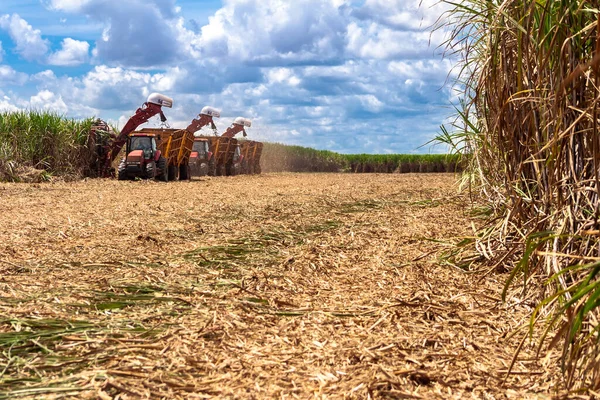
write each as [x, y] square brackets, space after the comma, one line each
[323, 286]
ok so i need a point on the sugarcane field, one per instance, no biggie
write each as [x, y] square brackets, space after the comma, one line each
[317, 199]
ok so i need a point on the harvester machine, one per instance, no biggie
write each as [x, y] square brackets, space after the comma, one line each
[230, 158]
[219, 155]
[177, 145]
[248, 160]
[108, 145]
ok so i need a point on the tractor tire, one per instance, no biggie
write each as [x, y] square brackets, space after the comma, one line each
[212, 169]
[122, 171]
[151, 170]
[229, 170]
[221, 170]
[162, 166]
[245, 169]
[185, 173]
[257, 169]
[173, 172]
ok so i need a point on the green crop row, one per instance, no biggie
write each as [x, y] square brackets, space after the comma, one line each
[279, 157]
[42, 141]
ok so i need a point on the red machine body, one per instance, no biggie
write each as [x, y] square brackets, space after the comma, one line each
[149, 109]
[201, 160]
[143, 158]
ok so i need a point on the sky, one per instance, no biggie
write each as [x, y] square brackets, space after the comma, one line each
[349, 76]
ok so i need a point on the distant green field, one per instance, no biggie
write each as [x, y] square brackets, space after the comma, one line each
[279, 158]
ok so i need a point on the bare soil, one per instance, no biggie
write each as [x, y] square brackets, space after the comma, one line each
[273, 286]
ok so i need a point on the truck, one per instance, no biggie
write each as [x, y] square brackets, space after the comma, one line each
[163, 153]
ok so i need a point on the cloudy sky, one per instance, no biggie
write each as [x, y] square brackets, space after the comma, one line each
[353, 76]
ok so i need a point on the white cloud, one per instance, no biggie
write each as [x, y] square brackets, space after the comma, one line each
[73, 52]
[7, 105]
[47, 100]
[8, 76]
[1, 52]
[66, 5]
[274, 32]
[29, 42]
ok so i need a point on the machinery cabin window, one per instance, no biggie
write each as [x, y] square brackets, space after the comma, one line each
[144, 143]
[201, 148]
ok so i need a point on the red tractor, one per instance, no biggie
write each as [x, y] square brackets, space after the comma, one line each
[108, 148]
[144, 159]
[202, 162]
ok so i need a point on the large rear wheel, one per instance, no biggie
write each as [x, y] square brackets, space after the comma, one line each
[185, 172]
[162, 166]
[173, 172]
[122, 171]
[212, 169]
[151, 170]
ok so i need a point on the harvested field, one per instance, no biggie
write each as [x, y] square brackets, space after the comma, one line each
[271, 286]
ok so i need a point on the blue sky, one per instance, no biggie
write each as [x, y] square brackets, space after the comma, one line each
[344, 75]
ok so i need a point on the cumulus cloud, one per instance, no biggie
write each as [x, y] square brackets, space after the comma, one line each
[8, 76]
[275, 32]
[46, 100]
[29, 42]
[411, 15]
[137, 33]
[1, 52]
[73, 52]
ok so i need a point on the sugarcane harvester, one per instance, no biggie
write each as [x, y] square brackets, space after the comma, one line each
[108, 146]
[176, 145]
[226, 154]
[246, 158]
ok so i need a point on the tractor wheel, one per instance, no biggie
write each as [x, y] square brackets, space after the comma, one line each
[212, 169]
[257, 169]
[122, 171]
[245, 169]
[203, 169]
[229, 170]
[185, 172]
[221, 170]
[151, 170]
[162, 166]
[173, 172]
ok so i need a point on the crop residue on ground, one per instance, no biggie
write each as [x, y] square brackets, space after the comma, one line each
[272, 286]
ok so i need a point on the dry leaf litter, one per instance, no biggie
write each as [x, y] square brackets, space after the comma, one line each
[287, 286]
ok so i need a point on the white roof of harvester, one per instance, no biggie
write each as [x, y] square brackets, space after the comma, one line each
[160, 99]
[243, 121]
[211, 112]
